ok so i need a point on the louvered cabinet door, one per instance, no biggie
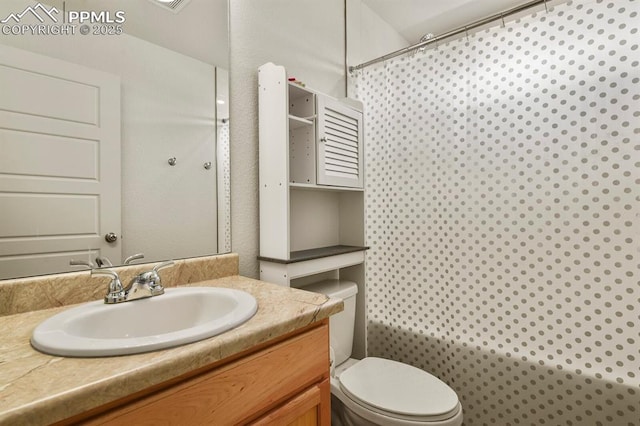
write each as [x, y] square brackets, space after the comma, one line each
[340, 153]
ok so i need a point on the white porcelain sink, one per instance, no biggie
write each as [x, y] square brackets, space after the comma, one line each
[181, 315]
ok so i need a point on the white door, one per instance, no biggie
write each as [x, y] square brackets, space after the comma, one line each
[59, 164]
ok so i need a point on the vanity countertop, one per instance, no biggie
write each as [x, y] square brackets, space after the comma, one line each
[41, 389]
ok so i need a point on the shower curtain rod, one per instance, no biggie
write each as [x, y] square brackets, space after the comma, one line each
[459, 30]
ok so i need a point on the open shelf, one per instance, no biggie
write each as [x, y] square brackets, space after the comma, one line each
[311, 173]
[298, 211]
[317, 253]
[296, 90]
[312, 187]
[298, 122]
[305, 264]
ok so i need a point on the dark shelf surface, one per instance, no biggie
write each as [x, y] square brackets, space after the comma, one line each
[317, 253]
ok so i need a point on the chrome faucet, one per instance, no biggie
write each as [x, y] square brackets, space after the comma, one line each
[133, 257]
[147, 284]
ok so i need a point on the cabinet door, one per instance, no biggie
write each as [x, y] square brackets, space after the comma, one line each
[340, 144]
[310, 408]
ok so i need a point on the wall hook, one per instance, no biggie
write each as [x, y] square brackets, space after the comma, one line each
[172, 161]
[207, 165]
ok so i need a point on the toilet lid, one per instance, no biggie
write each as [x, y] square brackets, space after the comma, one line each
[398, 388]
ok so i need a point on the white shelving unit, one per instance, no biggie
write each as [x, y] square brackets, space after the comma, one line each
[311, 188]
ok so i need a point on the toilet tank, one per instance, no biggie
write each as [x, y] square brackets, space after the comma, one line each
[341, 325]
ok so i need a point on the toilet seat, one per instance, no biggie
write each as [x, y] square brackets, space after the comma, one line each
[399, 391]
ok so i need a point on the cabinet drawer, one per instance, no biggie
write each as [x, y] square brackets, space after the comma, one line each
[237, 392]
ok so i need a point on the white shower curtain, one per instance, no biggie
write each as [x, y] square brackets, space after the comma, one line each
[503, 215]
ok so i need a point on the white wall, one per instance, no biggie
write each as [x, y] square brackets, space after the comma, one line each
[168, 110]
[369, 36]
[305, 36]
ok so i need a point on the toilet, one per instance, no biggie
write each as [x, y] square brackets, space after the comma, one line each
[376, 391]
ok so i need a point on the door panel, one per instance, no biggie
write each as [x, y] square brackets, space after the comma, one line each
[26, 153]
[36, 215]
[71, 100]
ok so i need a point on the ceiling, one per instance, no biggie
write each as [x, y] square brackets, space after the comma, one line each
[414, 18]
[198, 30]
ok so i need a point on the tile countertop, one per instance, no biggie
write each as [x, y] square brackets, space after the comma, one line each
[41, 389]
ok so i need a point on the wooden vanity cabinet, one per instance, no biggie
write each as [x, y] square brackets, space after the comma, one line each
[285, 383]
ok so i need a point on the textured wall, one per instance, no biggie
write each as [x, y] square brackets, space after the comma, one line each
[503, 212]
[307, 38]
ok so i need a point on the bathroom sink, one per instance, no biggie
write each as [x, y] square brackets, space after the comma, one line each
[181, 315]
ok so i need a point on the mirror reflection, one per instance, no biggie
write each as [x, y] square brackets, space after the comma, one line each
[114, 133]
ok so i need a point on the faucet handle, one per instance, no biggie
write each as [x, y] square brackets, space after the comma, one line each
[154, 278]
[163, 265]
[133, 257]
[116, 291]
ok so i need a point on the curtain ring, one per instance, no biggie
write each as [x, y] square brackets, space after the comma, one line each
[545, 6]
[502, 18]
[466, 32]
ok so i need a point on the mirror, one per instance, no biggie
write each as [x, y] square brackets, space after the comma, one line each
[114, 132]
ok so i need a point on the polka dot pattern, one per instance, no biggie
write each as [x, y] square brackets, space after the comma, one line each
[224, 209]
[503, 215]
